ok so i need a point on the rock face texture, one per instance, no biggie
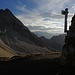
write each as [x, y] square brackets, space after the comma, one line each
[68, 52]
[17, 36]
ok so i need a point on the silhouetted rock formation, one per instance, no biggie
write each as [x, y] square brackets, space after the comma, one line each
[68, 53]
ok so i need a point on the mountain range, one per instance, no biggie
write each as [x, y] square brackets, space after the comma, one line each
[56, 42]
[45, 34]
[17, 39]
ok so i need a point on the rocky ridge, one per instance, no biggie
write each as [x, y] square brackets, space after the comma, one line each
[17, 36]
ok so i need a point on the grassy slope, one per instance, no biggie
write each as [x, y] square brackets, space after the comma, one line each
[6, 51]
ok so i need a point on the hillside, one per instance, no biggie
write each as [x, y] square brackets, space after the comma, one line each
[18, 37]
[6, 51]
[13, 26]
[56, 42]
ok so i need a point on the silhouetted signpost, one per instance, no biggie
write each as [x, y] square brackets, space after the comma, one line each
[65, 12]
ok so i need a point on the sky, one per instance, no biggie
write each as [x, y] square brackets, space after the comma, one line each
[41, 15]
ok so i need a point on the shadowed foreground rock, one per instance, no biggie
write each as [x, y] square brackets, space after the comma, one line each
[68, 53]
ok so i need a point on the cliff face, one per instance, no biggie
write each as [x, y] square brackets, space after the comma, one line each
[68, 52]
[17, 36]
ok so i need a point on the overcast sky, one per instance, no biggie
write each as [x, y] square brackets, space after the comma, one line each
[41, 15]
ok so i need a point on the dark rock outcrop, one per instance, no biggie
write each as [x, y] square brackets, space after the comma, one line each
[68, 52]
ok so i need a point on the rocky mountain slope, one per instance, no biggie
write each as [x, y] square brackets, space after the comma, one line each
[6, 51]
[56, 42]
[17, 36]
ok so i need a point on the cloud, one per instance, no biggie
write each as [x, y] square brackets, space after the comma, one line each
[40, 28]
[43, 28]
[51, 5]
[45, 17]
